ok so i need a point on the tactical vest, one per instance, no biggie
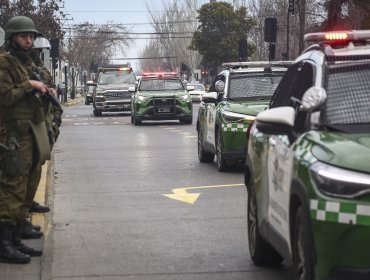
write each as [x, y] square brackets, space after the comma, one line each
[28, 113]
[29, 107]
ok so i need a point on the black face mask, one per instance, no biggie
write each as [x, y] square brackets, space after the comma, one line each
[16, 50]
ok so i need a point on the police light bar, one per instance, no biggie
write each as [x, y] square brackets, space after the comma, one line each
[338, 36]
[159, 74]
[122, 69]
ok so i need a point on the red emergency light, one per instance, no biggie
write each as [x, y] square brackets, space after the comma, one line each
[159, 74]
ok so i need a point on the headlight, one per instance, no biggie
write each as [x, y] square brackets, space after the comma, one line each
[142, 98]
[338, 182]
[235, 117]
[99, 94]
[185, 97]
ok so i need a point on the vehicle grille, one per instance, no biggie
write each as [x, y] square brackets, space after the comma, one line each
[117, 95]
[164, 102]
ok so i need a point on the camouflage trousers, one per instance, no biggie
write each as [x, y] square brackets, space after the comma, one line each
[17, 192]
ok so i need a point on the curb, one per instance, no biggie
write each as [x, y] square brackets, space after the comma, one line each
[73, 101]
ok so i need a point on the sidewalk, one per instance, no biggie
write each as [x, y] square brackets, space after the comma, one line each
[34, 269]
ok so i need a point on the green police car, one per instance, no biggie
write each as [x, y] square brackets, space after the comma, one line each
[235, 97]
[161, 96]
[307, 169]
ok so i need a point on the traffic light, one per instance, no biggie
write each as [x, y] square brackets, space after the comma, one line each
[54, 52]
[270, 29]
[242, 49]
[291, 6]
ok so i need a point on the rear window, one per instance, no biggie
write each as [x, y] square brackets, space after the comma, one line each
[249, 86]
[348, 95]
[160, 84]
[116, 77]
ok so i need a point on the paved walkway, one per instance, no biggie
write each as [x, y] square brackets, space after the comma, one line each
[33, 270]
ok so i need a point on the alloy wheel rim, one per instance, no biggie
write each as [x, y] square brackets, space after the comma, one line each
[218, 149]
[301, 270]
[199, 144]
[252, 222]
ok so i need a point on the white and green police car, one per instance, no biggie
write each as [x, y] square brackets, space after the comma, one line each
[307, 170]
[237, 94]
[161, 96]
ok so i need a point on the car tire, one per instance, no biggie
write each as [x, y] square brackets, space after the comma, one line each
[262, 253]
[137, 121]
[97, 113]
[86, 102]
[302, 255]
[203, 156]
[132, 118]
[220, 160]
[188, 120]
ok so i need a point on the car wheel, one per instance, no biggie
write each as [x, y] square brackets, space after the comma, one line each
[261, 252]
[97, 113]
[86, 102]
[203, 155]
[132, 118]
[220, 160]
[189, 120]
[137, 121]
[303, 264]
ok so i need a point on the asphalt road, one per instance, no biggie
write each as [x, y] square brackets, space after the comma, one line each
[114, 216]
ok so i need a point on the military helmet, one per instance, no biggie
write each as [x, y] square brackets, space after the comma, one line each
[19, 24]
[41, 43]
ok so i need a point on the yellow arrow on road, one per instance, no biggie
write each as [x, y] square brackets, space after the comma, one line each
[182, 194]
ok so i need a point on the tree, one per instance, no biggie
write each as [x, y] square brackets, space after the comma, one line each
[174, 29]
[89, 44]
[45, 13]
[217, 37]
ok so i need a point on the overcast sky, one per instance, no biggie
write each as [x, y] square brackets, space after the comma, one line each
[132, 13]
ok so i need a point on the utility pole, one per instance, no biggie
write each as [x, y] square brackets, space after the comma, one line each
[290, 11]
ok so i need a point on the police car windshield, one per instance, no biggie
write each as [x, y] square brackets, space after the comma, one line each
[256, 86]
[117, 77]
[348, 92]
[155, 84]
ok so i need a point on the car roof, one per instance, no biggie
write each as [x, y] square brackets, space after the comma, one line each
[257, 66]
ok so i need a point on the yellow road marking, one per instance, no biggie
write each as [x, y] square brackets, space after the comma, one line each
[181, 194]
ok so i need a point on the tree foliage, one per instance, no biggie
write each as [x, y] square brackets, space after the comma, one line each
[89, 44]
[174, 28]
[45, 13]
[220, 29]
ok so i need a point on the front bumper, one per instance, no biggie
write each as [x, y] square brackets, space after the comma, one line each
[234, 140]
[113, 106]
[342, 237]
[164, 109]
[175, 113]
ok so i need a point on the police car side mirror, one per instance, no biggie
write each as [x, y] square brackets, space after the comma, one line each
[209, 97]
[276, 121]
[313, 98]
[190, 88]
[220, 86]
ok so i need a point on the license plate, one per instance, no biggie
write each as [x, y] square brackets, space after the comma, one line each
[164, 110]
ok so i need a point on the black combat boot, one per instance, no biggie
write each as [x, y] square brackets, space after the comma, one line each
[8, 252]
[35, 227]
[17, 241]
[37, 208]
[27, 231]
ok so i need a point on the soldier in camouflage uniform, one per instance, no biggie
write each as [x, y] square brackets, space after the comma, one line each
[53, 113]
[23, 135]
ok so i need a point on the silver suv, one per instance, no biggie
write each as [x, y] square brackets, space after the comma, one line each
[112, 90]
